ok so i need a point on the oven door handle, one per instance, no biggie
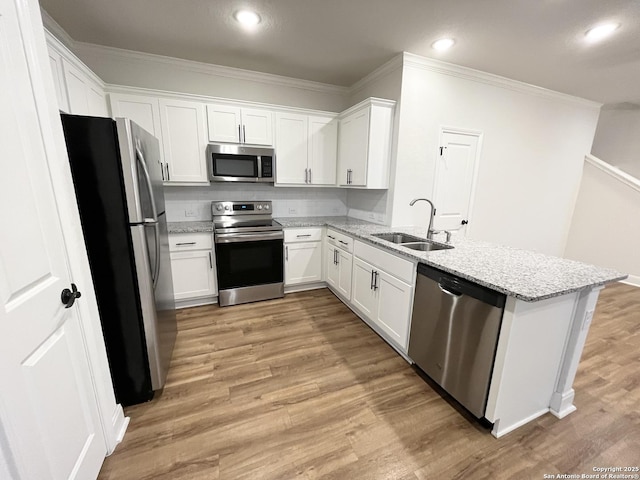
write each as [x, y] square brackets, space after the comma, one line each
[247, 237]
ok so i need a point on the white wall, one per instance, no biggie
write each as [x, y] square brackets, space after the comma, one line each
[123, 67]
[533, 147]
[605, 229]
[617, 139]
[287, 201]
[385, 82]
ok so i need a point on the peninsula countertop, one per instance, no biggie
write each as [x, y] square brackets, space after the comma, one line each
[523, 274]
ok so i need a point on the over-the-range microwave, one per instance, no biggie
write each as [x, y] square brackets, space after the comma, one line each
[240, 163]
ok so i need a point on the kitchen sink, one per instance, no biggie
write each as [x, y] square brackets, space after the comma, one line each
[426, 246]
[398, 238]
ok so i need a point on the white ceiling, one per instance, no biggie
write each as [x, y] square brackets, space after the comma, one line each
[339, 41]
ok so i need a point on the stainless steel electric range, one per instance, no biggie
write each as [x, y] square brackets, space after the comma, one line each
[249, 252]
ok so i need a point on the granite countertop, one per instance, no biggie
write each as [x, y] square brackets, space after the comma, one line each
[523, 274]
[190, 227]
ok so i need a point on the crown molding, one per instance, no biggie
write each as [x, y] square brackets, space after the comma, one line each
[56, 44]
[444, 68]
[211, 69]
[54, 28]
[385, 69]
[615, 172]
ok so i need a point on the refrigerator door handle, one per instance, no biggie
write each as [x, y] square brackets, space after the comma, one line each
[154, 212]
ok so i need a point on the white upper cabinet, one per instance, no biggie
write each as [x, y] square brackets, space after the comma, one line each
[364, 147]
[85, 97]
[57, 70]
[142, 109]
[306, 149]
[292, 148]
[184, 140]
[323, 150]
[234, 124]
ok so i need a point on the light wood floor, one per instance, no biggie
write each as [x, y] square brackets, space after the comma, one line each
[301, 388]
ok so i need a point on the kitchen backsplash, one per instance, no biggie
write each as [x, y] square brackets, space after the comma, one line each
[194, 203]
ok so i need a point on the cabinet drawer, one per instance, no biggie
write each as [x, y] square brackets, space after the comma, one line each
[393, 265]
[341, 240]
[292, 235]
[180, 242]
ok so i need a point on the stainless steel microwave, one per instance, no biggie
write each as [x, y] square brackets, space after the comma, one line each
[239, 163]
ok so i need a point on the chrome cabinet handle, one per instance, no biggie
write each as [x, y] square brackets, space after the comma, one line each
[303, 236]
[337, 257]
[162, 171]
[210, 261]
[375, 280]
[244, 134]
[309, 175]
[332, 238]
[344, 243]
[167, 167]
[286, 253]
[186, 243]
[371, 283]
[306, 175]
[239, 134]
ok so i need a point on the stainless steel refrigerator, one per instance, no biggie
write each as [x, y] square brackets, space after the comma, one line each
[116, 168]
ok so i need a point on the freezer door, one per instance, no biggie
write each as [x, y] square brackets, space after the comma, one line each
[142, 171]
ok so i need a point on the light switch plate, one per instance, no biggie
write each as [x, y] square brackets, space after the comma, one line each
[189, 212]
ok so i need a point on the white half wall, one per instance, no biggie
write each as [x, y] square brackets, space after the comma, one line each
[605, 230]
[534, 143]
[617, 139]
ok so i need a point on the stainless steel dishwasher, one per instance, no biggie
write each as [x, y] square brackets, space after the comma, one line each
[454, 334]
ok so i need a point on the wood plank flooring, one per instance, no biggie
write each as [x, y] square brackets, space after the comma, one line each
[301, 388]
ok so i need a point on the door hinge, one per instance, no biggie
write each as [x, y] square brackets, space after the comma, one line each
[442, 149]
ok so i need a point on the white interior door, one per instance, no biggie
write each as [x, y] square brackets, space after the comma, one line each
[455, 175]
[48, 410]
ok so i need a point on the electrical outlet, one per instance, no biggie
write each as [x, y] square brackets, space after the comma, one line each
[190, 212]
[293, 211]
[379, 217]
[371, 216]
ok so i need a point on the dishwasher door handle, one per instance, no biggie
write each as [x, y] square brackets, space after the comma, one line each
[445, 289]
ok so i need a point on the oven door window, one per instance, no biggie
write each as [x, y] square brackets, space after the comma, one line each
[247, 264]
[225, 165]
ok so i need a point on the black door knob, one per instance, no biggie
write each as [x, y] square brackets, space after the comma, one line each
[464, 222]
[68, 297]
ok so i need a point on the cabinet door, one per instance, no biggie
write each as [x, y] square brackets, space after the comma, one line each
[57, 71]
[193, 274]
[224, 123]
[393, 314]
[184, 140]
[291, 145]
[257, 127]
[345, 267]
[76, 89]
[353, 148]
[363, 295]
[323, 150]
[96, 100]
[303, 263]
[333, 272]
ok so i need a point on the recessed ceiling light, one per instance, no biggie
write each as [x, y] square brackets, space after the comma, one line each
[601, 31]
[443, 44]
[247, 18]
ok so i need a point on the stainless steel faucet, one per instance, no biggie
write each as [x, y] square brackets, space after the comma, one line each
[430, 231]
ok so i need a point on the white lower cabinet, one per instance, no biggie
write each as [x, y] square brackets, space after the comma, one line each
[339, 267]
[382, 298]
[302, 255]
[192, 267]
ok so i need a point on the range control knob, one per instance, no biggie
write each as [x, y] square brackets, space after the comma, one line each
[226, 207]
[266, 207]
[219, 207]
[259, 207]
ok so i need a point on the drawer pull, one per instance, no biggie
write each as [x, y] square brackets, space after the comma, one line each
[210, 261]
[186, 243]
[344, 243]
[332, 238]
[303, 236]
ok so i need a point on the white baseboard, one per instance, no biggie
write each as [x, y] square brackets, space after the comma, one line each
[196, 302]
[304, 287]
[499, 431]
[633, 280]
[119, 424]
